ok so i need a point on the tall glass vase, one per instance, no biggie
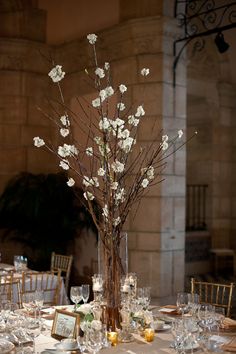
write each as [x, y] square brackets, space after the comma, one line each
[112, 264]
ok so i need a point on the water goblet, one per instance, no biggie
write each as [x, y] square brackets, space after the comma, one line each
[85, 292]
[193, 303]
[39, 300]
[182, 302]
[146, 297]
[33, 330]
[219, 317]
[94, 343]
[28, 302]
[76, 295]
[82, 343]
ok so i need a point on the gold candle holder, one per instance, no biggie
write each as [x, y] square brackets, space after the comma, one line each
[149, 334]
[113, 338]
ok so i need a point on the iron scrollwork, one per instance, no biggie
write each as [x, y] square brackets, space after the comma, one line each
[201, 18]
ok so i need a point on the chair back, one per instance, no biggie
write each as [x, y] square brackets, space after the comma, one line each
[219, 295]
[10, 291]
[64, 264]
[49, 282]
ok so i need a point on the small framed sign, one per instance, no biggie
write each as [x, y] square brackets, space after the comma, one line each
[65, 324]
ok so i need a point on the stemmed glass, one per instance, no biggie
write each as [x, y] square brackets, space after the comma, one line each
[193, 303]
[219, 317]
[33, 330]
[94, 343]
[28, 302]
[182, 302]
[76, 295]
[39, 300]
[85, 292]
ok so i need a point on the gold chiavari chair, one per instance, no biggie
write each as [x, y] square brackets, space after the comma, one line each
[49, 282]
[219, 295]
[64, 264]
[10, 289]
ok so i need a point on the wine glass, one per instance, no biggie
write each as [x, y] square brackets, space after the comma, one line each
[94, 343]
[219, 317]
[33, 330]
[39, 300]
[182, 302]
[85, 292]
[76, 295]
[28, 302]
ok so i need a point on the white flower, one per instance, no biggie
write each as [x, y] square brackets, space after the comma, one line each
[104, 123]
[70, 182]
[67, 150]
[150, 172]
[117, 166]
[140, 111]
[56, 74]
[92, 38]
[133, 121]
[65, 120]
[64, 132]
[85, 309]
[100, 73]
[104, 149]
[116, 221]
[96, 325]
[121, 106]
[114, 185]
[38, 142]
[89, 151]
[105, 211]
[86, 181]
[164, 145]
[103, 95]
[90, 181]
[165, 138]
[98, 140]
[101, 172]
[109, 91]
[117, 123]
[123, 134]
[148, 317]
[127, 144]
[145, 71]
[96, 102]
[64, 164]
[88, 195]
[106, 66]
[145, 182]
[122, 88]
[180, 133]
[120, 195]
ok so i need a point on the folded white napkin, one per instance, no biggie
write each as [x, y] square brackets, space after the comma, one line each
[44, 342]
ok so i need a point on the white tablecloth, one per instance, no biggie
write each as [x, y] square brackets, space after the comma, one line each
[63, 299]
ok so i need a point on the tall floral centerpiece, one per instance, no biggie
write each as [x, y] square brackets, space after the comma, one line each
[112, 169]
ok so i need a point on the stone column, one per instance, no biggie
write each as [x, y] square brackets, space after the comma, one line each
[24, 86]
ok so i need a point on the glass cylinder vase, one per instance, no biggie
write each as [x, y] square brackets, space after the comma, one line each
[112, 264]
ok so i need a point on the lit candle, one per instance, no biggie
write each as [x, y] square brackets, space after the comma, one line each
[113, 338]
[125, 288]
[97, 286]
[149, 334]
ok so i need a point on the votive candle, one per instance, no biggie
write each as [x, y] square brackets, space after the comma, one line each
[149, 334]
[113, 338]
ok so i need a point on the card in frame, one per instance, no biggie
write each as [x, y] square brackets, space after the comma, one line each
[65, 324]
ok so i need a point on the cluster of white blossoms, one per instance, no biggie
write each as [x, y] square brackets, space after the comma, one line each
[56, 74]
[110, 147]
